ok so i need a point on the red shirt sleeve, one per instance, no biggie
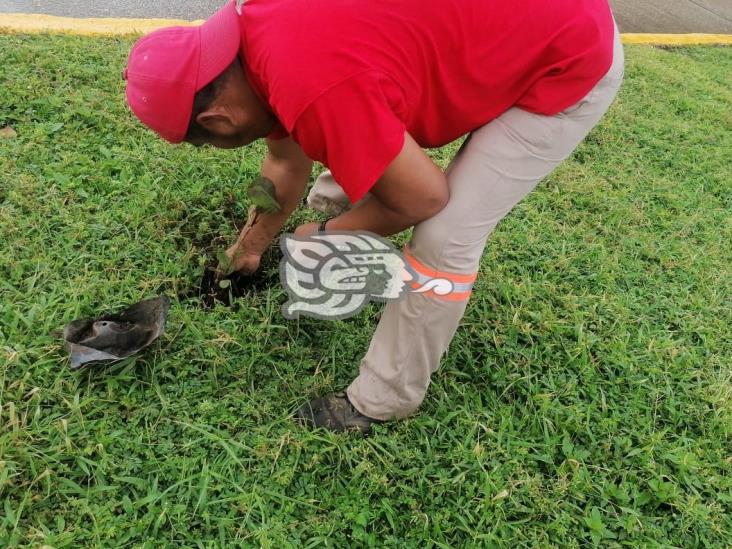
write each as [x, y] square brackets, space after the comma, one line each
[354, 130]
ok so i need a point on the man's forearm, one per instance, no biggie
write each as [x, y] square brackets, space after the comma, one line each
[372, 215]
[411, 190]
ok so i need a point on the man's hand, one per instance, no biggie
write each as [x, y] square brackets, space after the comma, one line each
[307, 229]
[288, 168]
[242, 261]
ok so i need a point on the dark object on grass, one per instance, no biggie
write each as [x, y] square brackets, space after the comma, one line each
[116, 336]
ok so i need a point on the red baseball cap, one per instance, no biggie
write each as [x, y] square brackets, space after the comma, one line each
[168, 66]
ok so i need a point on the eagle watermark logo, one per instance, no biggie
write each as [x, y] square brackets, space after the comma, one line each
[336, 274]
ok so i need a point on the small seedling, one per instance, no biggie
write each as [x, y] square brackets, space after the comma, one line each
[264, 200]
[226, 263]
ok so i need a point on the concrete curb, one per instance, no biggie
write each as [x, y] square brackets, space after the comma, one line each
[36, 23]
[677, 39]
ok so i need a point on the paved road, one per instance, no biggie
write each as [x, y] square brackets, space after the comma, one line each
[177, 9]
[656, 16]
[672, 16]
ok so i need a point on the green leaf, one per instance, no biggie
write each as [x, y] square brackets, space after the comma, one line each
[262, 194]
[362, 519]
[54, 128]
[225, 283]
[594, 521]
[226, 265]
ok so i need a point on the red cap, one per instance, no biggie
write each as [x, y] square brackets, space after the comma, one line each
[167, 67]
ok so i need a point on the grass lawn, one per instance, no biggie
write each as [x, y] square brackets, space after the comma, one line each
[587, 398]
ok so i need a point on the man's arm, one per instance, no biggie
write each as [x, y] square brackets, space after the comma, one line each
[287, 166]
[411, 190]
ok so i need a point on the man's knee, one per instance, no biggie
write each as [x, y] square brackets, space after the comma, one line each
[437, 247]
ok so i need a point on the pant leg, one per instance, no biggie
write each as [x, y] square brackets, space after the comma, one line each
[501, 163]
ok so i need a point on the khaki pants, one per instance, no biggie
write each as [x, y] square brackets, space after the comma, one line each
[499, 165]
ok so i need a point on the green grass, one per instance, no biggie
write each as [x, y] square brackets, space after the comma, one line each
[587, 398]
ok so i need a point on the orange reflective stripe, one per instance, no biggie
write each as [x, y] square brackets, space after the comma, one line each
[433, 273]
[459, 286]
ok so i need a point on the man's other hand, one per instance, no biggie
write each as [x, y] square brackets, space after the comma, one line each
[307, 229]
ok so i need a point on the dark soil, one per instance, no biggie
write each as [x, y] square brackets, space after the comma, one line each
[209, 291]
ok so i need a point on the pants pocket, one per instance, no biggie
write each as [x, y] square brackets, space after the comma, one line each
[587, 99]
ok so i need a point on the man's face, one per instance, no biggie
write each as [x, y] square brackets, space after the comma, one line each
[235, 118]
[222, 141]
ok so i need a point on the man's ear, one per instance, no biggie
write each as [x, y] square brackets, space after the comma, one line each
[217, 122]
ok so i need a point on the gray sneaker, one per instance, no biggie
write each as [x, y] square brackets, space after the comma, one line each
[335, 413]
[326, 205]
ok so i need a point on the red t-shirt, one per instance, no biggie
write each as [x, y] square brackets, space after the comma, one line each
[347, 78]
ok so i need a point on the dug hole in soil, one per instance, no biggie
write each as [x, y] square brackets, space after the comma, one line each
[209, 291]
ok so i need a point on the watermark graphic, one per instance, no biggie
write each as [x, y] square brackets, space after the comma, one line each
[334, 275]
